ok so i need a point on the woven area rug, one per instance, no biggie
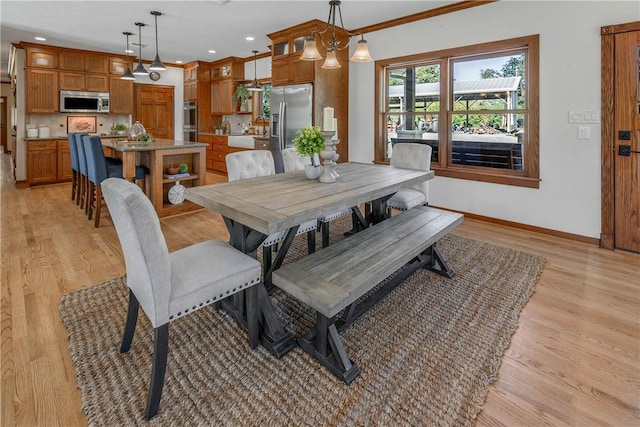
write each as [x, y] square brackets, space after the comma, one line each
[427, 353]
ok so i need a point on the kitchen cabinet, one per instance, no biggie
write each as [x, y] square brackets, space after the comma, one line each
[217, 151]
[81, 61]
[41, 87]
[222, 100]
[330, 87]
[48, 161]
[41, 57]
[81, 71]
[286, 48]
[118, 65]
[197, 88]
[120, 96]
[226, 74]
[84, 81]
[207, 139]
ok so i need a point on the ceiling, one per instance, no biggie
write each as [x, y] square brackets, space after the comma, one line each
[187, 30]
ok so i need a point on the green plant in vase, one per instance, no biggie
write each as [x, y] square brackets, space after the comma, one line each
[309, 142]
[242, 93]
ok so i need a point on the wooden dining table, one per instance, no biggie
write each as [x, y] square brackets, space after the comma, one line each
[254, 208]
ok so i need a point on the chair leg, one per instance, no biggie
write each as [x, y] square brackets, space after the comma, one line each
[74, 184]
[130, 326]
[98, 204]
[81, 190]
[91, 194]
[161, 347]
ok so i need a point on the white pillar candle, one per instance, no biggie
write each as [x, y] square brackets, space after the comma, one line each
[328, 119]
[335, 127]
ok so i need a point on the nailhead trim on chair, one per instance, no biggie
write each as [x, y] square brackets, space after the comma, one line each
[209, 301]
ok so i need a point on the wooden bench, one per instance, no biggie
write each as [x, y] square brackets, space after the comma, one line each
[334, 279]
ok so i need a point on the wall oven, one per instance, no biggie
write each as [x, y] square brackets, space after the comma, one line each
[190, 121]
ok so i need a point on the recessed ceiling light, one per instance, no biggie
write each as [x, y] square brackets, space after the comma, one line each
[178, 62]
[128, 51]
[41, 38]
[250, 38]
[212, 51]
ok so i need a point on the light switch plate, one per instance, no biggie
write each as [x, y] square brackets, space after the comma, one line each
[584, 132]
[584, 117]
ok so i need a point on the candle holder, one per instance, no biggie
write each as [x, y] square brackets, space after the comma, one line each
[329, 157]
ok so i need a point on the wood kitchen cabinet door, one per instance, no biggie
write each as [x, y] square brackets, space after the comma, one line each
[120, 96]
[42, 161]
[42, 91]
[96, 82]
[64, 170]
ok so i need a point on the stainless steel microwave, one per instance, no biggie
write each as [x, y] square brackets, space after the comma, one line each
[83, 102]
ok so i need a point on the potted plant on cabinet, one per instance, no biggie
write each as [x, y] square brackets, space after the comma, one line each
[242, 93]
[309, 142]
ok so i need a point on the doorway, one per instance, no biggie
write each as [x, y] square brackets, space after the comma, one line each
[621, 137]
[154, 109]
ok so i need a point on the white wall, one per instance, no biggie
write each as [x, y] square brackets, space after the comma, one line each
[569, 195]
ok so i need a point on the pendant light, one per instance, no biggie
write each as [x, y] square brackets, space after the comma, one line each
[311, 53]
[157, 65]
[140, 70]
[128, 75]
[255, 86]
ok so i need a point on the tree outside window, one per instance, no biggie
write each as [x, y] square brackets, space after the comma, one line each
[475, 106]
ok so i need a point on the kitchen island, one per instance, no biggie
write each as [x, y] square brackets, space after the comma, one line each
[157, 156]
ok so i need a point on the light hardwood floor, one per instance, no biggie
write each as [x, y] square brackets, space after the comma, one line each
[574, 360]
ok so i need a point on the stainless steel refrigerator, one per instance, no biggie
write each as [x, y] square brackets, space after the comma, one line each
[291, 109]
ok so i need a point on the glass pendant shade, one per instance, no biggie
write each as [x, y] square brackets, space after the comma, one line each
[331, 62]
[310, 52]
[362, 52]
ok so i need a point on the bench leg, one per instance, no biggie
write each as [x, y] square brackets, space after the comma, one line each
[437, 264]
[324, 343]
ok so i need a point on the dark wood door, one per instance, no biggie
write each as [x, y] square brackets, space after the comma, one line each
[154, 109]
[627, 141]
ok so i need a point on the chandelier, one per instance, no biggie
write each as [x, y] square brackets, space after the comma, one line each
[311, 53]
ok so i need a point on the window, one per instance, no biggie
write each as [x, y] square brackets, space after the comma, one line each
[476, 106]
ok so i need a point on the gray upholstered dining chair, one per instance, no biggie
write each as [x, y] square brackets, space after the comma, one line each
[294, 162]
[258, 163]
[171, 285]
[411, 156]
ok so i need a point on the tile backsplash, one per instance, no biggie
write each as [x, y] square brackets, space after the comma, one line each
[57, 123]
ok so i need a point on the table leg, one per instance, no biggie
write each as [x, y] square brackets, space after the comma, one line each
[272, 334]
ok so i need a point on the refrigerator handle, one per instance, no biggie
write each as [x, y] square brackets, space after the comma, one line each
[281, 124]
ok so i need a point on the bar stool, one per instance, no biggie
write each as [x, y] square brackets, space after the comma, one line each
[97, 171]
[75, 165]
[81, 197]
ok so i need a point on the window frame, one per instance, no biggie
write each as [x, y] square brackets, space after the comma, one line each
[530, 176]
